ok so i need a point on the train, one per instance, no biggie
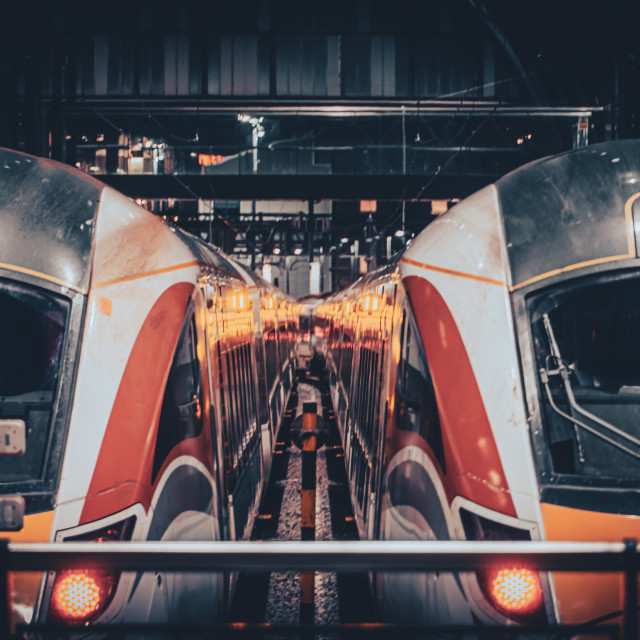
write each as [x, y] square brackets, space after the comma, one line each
[486, 385]
[143, 374]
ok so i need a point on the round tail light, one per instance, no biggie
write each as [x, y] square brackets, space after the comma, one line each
[80, 595]
[515, 590]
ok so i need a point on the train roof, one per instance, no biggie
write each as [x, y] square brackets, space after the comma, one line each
[48, 211]
[573, 209]
[49, 215]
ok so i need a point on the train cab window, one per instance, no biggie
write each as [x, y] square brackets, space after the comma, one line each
[181, 415]
[32, 329]
[587, 349]
[416, 406]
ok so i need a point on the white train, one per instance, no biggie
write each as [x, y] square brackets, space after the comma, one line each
[142, 377]
[487, 387]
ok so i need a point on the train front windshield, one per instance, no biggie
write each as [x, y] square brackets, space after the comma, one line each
[32, 329]
[586, 339]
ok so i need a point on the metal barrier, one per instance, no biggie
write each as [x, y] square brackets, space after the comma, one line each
[362, 556]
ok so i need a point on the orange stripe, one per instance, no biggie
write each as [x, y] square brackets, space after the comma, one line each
[628, 216]
[122, 474]
[308, 508]
[631, 249]
[146, 274]
[452, 272]
[44, 276]
[155, 272]
[36, 528]
[571, 267]
[307, 587]
[474, 467]
[585, 596]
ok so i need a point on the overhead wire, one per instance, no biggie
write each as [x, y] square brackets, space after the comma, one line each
[370, 223]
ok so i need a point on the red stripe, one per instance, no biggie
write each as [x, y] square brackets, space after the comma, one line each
[122, 474]
[474, 468]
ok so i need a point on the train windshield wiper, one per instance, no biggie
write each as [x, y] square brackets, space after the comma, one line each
[562, 370]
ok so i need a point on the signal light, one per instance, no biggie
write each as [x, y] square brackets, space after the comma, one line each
[80, 595]
[77, 596]
[515, 590]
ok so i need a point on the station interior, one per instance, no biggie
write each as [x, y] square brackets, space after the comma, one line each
[309, 145]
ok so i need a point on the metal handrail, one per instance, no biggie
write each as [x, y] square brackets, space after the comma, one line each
[331, 556]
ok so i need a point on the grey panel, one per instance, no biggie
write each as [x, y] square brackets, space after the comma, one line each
[47, 217]
[186, 489]
[410, 485]
[170, 74]
[182, 60]
[569, 209]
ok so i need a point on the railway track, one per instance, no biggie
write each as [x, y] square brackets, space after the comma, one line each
[275, 597]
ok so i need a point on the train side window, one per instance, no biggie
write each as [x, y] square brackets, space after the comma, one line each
[253, 409]
[181, 415]
[347, 356]
[417, 409]
[235, 427]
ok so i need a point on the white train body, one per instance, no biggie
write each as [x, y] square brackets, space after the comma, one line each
[142, 396]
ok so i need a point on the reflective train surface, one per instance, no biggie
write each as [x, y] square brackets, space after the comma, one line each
[142, 377]
[487, 387]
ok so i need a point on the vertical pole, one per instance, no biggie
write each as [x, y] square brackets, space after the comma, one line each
[5, 591]
[308, 529]
[404, 168]
[630, 621]
[311, 226]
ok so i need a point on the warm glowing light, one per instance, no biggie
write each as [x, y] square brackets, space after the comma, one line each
[77, 596]
[439, 206]
[516, 589]
[209, 159]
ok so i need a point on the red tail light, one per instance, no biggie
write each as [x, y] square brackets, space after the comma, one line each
[80, 595]
[514, 591]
